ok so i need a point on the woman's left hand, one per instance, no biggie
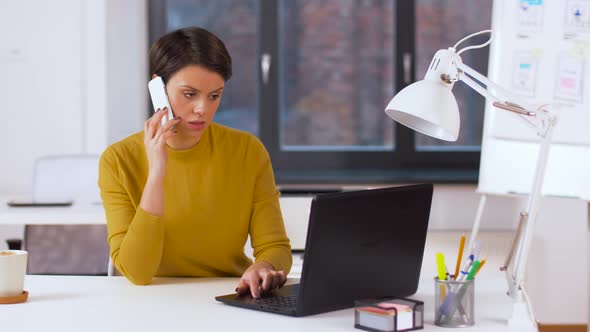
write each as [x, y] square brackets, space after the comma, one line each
[260, 278]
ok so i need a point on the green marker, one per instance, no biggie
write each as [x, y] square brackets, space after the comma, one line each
[473, 270]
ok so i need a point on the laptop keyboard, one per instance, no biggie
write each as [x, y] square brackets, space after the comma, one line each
[278, 301]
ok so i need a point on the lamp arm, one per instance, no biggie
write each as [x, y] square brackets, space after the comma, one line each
[502, 98]
[478, 88]
[503, 93]
[532, 209]
[544, 122]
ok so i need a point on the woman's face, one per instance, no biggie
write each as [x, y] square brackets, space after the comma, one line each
[194, 94]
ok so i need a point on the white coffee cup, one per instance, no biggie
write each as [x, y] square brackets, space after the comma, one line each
[13, 267]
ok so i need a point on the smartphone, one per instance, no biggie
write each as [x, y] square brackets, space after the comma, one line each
[160, 98]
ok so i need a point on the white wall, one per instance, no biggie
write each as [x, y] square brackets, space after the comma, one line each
[94, 76]
[127, 67]
[40, 47]
[74, 75]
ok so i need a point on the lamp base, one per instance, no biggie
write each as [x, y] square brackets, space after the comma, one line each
[520, 320]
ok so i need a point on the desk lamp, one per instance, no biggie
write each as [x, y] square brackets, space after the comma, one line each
[429, 107]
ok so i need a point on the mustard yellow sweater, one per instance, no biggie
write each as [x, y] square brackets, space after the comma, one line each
[215, 195]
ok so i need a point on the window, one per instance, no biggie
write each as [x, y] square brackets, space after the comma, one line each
[336, 73]
[236, 23]
[332, 68]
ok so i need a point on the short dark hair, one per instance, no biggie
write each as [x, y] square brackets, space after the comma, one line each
[189, 46]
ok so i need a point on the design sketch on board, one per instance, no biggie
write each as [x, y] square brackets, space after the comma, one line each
[524, 73]
[530, 17]
[577, 19]
[570, 78]
[557, 72]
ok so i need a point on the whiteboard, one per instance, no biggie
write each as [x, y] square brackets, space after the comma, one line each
[540, 53]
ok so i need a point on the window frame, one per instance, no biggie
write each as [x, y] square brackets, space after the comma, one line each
[404, 164]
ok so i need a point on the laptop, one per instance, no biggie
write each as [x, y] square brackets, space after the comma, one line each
[360, 244]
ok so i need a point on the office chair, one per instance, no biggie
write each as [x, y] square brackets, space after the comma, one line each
[66, 178]
[75, 249]
[67, 249]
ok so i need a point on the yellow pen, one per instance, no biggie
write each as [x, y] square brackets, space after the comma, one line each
[440, 263]
[459, 256]
[442, 275]
[483, 261]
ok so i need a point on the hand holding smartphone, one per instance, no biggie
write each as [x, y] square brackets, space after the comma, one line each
[159, 97]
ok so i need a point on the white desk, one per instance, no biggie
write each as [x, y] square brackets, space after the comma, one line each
[75, 214]
[59, 303]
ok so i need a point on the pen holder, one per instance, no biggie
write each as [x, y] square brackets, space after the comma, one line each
[453, 303]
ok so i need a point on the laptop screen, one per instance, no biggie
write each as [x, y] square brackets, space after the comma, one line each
[363, 244]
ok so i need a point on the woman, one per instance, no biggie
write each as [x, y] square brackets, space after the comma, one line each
[181, 198]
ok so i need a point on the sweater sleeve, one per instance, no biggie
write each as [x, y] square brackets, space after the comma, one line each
[267, 229]
[136, 237]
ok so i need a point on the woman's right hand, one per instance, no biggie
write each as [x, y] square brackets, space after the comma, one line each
[155, 138]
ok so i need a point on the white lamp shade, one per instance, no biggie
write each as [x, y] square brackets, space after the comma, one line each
[427, 107]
